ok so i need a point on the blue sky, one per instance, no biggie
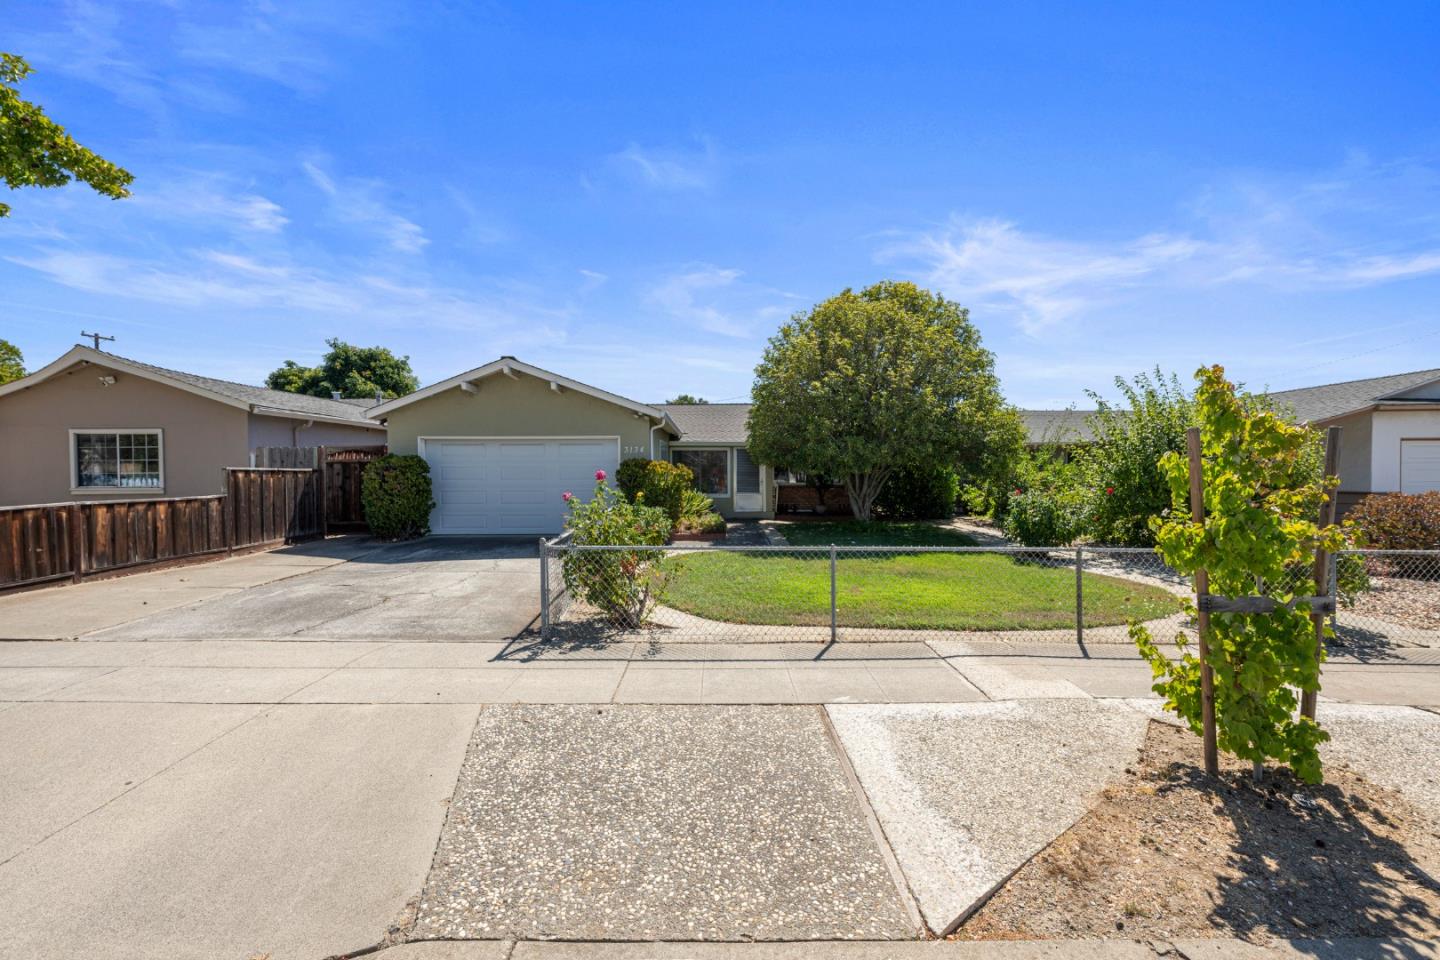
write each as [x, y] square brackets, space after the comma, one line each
[636, 195]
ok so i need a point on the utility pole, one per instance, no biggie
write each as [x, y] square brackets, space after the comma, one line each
[97, 338]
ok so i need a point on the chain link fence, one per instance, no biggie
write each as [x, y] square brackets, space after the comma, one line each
[1088, 595]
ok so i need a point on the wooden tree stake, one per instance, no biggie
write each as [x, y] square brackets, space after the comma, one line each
[1322, 564]
[1202, 589]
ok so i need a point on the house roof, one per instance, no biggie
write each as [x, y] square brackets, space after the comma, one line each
[1058, 426]
[709, 422]
[1331, 400]
[511, 367]
[725, 423]
[261, 400]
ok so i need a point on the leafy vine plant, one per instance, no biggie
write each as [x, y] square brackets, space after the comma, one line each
[1263, 491]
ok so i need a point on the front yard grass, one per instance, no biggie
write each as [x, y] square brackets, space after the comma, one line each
[895, 533]
[918, 591]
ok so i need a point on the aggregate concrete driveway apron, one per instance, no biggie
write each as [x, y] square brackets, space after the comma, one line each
[439, 588]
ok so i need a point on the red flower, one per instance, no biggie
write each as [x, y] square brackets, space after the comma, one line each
[1018, 491]
[599, 476]
[1109, 491]
[567, 496]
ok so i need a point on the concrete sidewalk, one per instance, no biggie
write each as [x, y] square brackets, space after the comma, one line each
[376, 671]
[1218, 949]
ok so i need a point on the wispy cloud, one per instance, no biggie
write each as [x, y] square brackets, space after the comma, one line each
[1345, 230]
[695, 168]
[358, 202]
[686, 297]
[221, 280]
[212, 200]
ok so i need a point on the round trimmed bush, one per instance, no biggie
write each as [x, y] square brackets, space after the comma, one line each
[396, 493]
[656, 483]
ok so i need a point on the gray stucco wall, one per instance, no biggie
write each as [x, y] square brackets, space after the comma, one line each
[1354, 463]
[200, 436]
[279, 432]
[525, 407]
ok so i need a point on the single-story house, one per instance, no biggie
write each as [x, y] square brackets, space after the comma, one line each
[94, 426]
[1390, 438]
[506, 440]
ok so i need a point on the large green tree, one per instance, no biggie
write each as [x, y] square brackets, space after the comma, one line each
[12, 363]
[35, 151]
[867, 383]
[350, 371]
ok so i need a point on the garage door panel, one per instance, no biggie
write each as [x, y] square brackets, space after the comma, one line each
[1419, 466]
[511, 486]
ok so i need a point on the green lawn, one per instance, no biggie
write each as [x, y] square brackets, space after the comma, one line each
[894, 533]
[921, 591]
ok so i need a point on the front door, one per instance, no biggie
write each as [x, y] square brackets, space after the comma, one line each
[749, 484]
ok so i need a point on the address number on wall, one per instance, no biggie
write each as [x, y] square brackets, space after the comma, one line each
[634, 451]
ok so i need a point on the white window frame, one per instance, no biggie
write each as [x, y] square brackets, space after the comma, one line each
[76, 489]
[729, 466]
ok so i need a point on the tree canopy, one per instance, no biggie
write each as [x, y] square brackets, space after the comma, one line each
[686, 398]
[35, 151]
[353, 372]
[12, 364]
[867, 383]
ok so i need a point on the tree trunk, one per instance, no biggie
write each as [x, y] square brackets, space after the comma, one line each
[862, 489]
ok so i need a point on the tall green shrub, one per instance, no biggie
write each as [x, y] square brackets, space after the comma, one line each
[920, 493]
[1120, 472]
[396, 494]
[656, 483]
[1262, 496]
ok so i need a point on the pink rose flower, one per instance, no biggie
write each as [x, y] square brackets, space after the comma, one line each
[567, 496]
[599, 476]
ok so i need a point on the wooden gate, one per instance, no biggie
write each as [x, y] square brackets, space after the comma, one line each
[343, 467]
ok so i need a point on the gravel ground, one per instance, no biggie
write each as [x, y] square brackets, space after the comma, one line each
[967, 793]
[1398, 747]
[657, 823]
[1410, 603]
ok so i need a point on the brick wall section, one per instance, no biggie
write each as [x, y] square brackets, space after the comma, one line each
[799, 498]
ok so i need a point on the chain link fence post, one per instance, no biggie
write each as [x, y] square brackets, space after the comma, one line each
[544, 591]
[1080, 596]
[833, 619]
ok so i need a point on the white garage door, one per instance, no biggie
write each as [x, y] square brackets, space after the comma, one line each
[511, 486]
[1419, 466]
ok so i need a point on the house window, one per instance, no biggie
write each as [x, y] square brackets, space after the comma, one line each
[117, 459]
[711, 469]
[788, 477]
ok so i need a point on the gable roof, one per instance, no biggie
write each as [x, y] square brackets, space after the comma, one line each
[260, 400]
[1058, 426]
[509, 366]
[710, 422]
[1331, 400]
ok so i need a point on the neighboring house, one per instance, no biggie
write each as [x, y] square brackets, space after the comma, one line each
[1390, 438]
[506, 440]
[96, 426]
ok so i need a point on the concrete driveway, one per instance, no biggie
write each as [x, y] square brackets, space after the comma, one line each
[439, 588]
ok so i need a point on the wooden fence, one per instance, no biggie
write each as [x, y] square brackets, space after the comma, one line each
[343, 467]
[59, 541]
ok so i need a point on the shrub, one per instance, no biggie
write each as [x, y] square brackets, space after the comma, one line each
[1042, 518]
[702, 523]
[1120, 470]
[656, 483]
[1398, 521]
[920, 493]
[395, 492]
[624, 584]
[695, 504]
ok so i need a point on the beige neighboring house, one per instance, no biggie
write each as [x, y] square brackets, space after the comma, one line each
[94, 426]
[1390, 437]
[506, 440]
